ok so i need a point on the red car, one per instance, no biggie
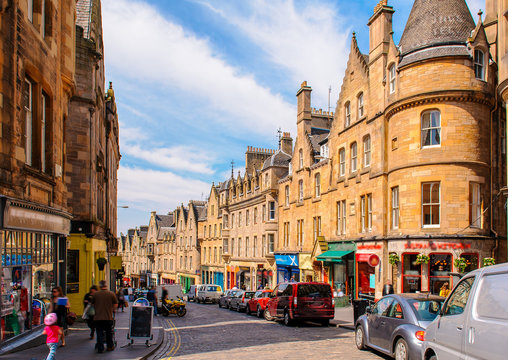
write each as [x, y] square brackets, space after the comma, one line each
[257, 304]
[301, 301]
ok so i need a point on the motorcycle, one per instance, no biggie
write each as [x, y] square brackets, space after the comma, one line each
[172, 307]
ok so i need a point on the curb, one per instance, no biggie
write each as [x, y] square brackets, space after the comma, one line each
[156, 347]
[347, 326]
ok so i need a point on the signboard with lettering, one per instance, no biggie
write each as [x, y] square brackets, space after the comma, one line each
[140, 322]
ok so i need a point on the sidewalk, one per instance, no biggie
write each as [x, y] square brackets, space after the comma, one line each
[344, 318]
[80, 346]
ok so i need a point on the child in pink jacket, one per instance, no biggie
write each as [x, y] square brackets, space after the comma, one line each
[53, 333]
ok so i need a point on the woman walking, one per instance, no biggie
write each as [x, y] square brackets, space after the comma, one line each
[60, 306]
[88, 301]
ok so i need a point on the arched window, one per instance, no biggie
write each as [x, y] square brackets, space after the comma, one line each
[300, 159]
[287, 195]
[354, 155]
[300, 191]
[360, 106]
[347, 112]
[342, 162]
[479, 64]
[366, 151]
[431, 128]
[317, 185]
[391, 73]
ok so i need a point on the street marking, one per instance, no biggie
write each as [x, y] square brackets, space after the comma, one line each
[224, 323]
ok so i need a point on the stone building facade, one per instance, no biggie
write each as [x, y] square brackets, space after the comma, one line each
[36, 84]
[414, 157]
[160, 228]
[92, 158]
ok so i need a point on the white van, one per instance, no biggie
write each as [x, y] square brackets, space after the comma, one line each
[473, 321]
[208, 292]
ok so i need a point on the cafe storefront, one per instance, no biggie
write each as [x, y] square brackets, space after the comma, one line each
[33, 245]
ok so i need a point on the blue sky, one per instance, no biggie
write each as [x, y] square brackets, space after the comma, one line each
[197, 81]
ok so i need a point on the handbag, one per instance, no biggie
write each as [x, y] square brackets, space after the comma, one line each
[70, 318]
[88, 312]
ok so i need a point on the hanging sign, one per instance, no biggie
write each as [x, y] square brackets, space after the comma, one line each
[373, 260]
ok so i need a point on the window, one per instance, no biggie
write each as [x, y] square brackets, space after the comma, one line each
[457, 301]
[255, 247]
[255, 215]
[225, 245]
[239, 219]
[264, 213]
[411, 274]
[391, 72]
[263, 245]
[360, 106]
[317, 185]
[491, 302]
[479, 62]
[300, 159]
[382, 307]
[366, 212]
[286, 192]
[395, 207]
[396, 311]
[347, 112]
[232, 246]
[239, 247]
[247, 247]
[440, 266]
[354, 154]
[214, 230]
[204, 255]
[271, 204]
[472, 262]
[247, 215]
[430, 204]
[323, 151]
[271, 243]
[286, 234]
[431, 128]
[299, 231]
[210, 255]
[190, 262]
[210, 231]
[30, 10]
[317, 226]
[342, 162]
[366, 151]
[232, 220]
[220, 254]
[475, 205]
[341, 217]
[28, 105]
[300, 191]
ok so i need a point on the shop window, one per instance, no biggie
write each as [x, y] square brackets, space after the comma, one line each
[431, 205]
[411, 274]
[472, 261]
[366, 274]
[72, 266]
[431, 128]
[440, 266]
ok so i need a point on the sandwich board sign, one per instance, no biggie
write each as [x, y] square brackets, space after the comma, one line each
[140, 323]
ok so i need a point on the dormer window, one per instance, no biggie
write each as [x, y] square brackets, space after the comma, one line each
[324, 151]
[347, 111]
[360, 106]
[479, 65]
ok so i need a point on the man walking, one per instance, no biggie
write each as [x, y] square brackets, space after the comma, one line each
[105, 302]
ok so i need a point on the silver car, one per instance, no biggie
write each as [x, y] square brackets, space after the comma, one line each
[396, 324]
[473, 322]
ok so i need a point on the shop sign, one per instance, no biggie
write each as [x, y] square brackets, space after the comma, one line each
[9, 260]
[115, 262]
[436, 246]
[287, 260]
[363, 257]
[24, 218]
[369, 247]
[373, 260]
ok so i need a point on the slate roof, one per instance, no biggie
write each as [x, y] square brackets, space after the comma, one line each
[315, 140]
[280, 159]
[203, 215]
[164, 220]
[83, 16]
[438, 27]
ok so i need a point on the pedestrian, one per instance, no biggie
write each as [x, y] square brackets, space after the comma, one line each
[105, 303]
[151, 296]
[53, 334]
[121, 298]
[60, 306]
[444, 291]
[87, 303]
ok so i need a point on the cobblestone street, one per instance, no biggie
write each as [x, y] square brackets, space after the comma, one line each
[208, 332]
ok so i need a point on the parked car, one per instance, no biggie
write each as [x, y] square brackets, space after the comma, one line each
[191, 294]
[208, 292]
[239, 301]
[396, 324]
[225, 298]
[301, 301]
[473, 321]
[257, 303]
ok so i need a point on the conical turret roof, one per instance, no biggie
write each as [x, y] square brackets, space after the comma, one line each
[436, 28]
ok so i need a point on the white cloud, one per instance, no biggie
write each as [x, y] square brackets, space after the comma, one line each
[310, 41]
[160, 191]
[144, 46]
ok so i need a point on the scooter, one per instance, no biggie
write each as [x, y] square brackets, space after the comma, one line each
[172, 307]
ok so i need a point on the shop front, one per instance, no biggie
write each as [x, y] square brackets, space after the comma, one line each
[339, 263]
[186, 281]
[33, 245]
[243, 278]
[287, 267]
[263, 277]
[231, 271]
[306, 269]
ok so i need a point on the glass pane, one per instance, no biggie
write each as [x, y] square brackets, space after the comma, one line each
[436, 119]
[435, 214]
[425, 121]
[458, 299]
[425, 137]
[436, 136]
[426, 193]
[435, 193]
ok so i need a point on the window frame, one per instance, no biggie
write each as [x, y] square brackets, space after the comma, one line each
[361, 108]
[392, 75]
[286, 196]
[423, 131]
[300, 159]
[354, 157]
[347, 114]
[300, 191]
[479, 64]
[475, 209]
[342, 162]
[317, 185]
[395, 223]
[430, 204]
[366, 151]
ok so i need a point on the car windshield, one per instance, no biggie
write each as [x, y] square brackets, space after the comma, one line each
[314, 290]
[249, 294]
[212, 288]
[425, 309]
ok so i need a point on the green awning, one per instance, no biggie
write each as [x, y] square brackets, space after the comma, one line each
[333, 255]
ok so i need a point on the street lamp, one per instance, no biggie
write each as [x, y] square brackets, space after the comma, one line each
[123, 207]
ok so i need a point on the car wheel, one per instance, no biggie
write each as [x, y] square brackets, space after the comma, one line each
[247, 309]
[433, 357]
[267, 315]
[220, 305]
[401, 350]
[259, 312]
[325, 322]
[287, 319]
[360, 338]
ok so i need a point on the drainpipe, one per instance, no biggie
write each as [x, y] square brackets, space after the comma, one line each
[494, 249]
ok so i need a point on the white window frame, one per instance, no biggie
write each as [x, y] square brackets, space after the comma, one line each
[342, 162]
[430, 128]
[431, 204]
[395, 207]
[392, 77]
[286, 192]
[479, 64]
[317, 185]
[29, 123]
[341, 217]
[271, 210]
[354, 157]
[300, 159]
[475, 204]
[300, 191]
[271, 243]
[347, 112]
[361, 110]
[366, 151]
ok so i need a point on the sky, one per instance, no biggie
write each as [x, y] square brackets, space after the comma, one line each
[197, 81]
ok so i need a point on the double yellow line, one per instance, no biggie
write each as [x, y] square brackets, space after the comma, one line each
[177, 340]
